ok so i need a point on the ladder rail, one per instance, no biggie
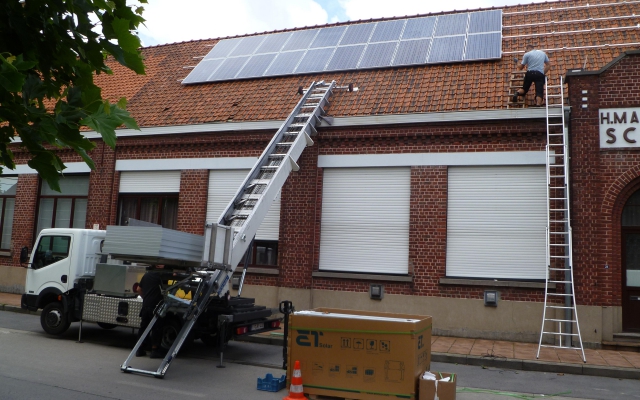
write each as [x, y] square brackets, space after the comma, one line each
[560, 173]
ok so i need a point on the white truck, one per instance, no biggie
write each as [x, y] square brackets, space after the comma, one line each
[71, 280]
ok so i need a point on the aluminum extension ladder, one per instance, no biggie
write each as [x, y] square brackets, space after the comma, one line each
[228, 240]
[560, 317]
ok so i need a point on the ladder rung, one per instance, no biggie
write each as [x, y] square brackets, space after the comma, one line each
[559, 281]
[560, 257]
[559, 294]
[559, 334]
[560, 320]
[561, 307]
[559, 269]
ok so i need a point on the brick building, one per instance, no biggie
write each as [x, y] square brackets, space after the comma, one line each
[429, 181]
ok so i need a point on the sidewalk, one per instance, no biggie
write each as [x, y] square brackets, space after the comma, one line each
[488, 353]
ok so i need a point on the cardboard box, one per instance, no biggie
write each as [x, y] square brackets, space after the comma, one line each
[359, 354]
[445, 390]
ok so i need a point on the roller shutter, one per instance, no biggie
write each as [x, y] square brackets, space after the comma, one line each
[150, 182]
[365, 220]
[223, 185]
[496, 222]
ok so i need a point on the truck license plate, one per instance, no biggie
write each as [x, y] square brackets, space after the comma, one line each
[256, 327]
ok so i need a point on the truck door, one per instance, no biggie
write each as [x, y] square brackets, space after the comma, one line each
[50, 265]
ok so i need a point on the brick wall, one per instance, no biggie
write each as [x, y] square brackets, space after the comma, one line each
[601, 180]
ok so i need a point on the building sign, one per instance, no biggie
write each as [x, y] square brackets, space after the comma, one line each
[619, 127]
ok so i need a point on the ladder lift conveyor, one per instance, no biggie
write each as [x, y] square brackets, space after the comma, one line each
[227, 240]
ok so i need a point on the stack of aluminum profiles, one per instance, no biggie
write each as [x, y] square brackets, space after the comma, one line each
[154, 245]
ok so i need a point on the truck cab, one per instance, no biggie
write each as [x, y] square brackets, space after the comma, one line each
[61, 261]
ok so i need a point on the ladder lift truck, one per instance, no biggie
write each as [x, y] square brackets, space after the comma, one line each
[72, 278]
[210, 313]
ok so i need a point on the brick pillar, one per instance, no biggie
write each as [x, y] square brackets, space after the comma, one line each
[192, 203]
[24, 217]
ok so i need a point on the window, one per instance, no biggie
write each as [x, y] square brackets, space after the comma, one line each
[64, 209]
[7, 206]
[263, 253]
[496, 222]
[51, 249]
[161, 209]
[365, 220]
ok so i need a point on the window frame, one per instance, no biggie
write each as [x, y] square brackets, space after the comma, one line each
[3, 208]
[55, 198]
[140, 196]
[254, 254]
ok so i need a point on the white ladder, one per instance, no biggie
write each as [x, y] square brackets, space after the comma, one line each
[563, 329]
[228, 240]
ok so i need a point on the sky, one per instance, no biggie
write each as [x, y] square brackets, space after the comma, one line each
[169, 21]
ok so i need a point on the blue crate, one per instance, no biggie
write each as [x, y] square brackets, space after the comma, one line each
[271, 384]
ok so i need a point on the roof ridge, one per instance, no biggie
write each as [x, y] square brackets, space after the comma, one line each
[362, 21]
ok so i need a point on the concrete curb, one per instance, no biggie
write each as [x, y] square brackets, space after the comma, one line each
[540, 366]
[18, 309]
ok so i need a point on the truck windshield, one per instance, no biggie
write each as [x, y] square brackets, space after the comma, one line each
[51, 249]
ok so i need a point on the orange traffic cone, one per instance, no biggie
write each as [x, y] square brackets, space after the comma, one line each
[295, 391]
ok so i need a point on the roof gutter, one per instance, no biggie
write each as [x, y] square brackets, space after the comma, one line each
[338, 122]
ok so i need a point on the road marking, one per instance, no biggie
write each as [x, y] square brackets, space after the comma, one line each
[155, 387]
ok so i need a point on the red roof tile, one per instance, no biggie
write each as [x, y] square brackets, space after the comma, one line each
[575, 33]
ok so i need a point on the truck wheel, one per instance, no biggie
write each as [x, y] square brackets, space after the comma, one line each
[210, 339]
[170, 332]
[104, 325]
[53, 319]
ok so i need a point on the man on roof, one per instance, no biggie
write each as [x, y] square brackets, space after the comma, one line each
[537, 64]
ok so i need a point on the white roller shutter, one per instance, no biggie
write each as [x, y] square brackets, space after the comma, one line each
[496, 222]
[150, 182]
[365, 220]
[223, 185]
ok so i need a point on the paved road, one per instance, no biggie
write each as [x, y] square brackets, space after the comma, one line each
[36, 365]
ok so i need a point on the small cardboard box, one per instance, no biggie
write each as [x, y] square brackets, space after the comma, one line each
[444, 390]
[359, 354]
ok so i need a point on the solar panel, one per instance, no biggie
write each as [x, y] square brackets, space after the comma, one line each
[483, 46]
[202, 71]
[285, 63]
[328, 37]
[452, 24]
[446, 49]
[256, 66]
[345, 57]
[315, 60]
[378, 55]
[247, 46]
[387, 31]
[223, 48]
[412, 52]
[435, 39]
[228, 69]
[485, 21]
[418, 28]
[357, 34]
[273, 43]
[300, 40]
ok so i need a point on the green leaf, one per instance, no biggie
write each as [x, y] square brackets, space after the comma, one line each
[10, 78]
[128, 41]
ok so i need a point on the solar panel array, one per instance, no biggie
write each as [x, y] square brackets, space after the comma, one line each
[426, 40]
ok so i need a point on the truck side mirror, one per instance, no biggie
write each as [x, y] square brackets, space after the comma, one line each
[24, 255]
